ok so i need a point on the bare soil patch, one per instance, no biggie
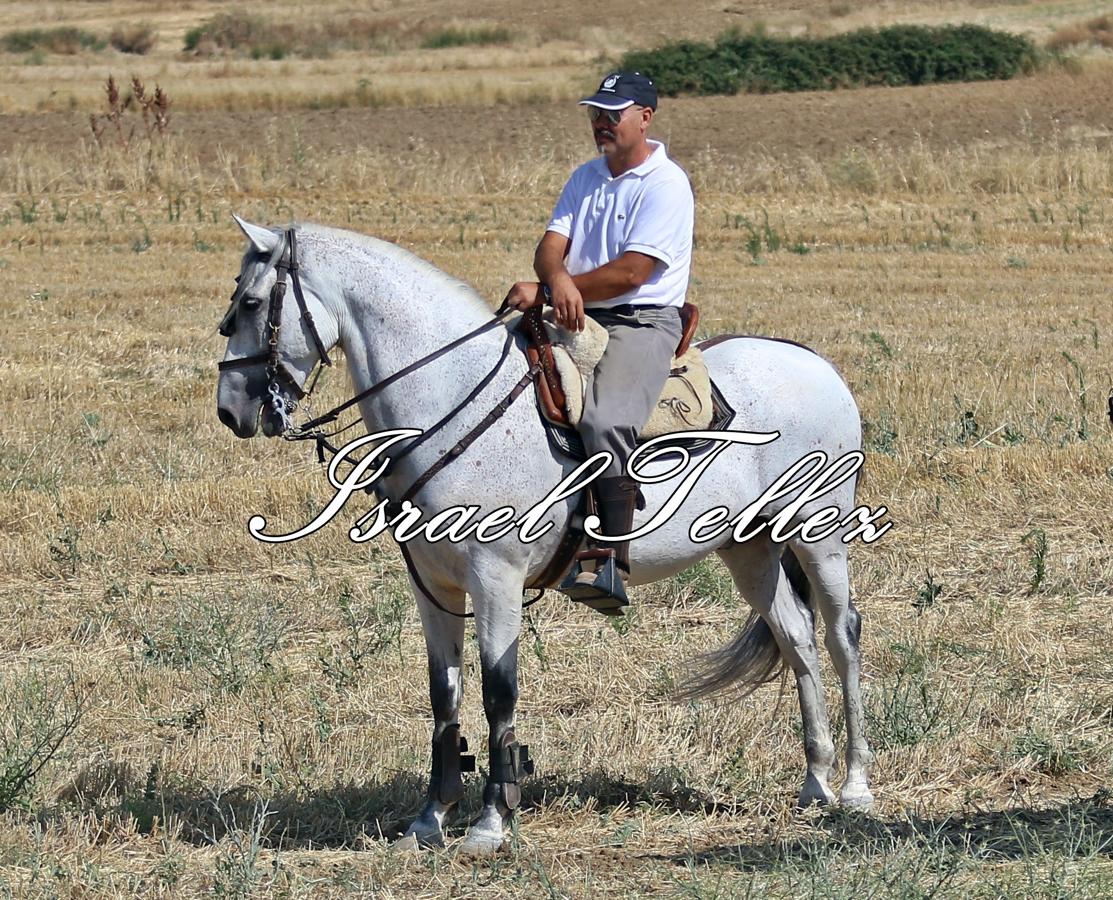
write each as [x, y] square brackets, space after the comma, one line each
[1051, 107]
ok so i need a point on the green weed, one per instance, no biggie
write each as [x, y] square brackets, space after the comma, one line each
[39, 714]
[466, 37]
[232, 640]
[1036, 543]
[906, 709]
[368, 630]
[65, 545]
[880, 435]
[65, 40]
[927, 594]
[706, 580]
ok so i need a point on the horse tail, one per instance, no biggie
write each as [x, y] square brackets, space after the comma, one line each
[753, 657]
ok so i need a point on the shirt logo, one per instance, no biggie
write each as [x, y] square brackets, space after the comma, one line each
[621, 217]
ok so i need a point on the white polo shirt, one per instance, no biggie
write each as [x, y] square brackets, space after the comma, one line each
[648, 209]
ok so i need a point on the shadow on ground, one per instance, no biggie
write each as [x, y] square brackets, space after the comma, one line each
[1078, 828]
[349, 814]
[342, 815]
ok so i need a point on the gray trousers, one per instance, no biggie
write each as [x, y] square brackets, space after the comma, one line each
[628, 380]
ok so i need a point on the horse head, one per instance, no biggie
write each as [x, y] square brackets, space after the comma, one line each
[273, 345]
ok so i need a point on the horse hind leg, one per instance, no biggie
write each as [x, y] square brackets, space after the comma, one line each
[757, 572]
[825, 565]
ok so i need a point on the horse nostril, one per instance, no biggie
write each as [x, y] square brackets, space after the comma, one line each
[226, 417]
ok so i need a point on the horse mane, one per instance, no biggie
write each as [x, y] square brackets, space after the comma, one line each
[449, 285]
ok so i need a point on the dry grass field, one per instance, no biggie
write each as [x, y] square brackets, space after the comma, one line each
[226, 718]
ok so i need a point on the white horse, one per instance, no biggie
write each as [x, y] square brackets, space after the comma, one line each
[385, 308]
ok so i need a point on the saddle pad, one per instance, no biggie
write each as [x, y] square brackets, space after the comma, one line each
[685, 402]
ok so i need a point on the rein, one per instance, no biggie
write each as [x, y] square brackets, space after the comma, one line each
[284, 260]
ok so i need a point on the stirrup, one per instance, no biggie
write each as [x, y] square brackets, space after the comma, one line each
[604, 592]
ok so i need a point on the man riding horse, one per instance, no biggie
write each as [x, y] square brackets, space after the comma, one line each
[618, 249]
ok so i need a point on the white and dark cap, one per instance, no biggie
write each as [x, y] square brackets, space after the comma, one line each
[621, 89]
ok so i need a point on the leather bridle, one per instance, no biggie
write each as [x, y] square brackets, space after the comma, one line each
[284, 259]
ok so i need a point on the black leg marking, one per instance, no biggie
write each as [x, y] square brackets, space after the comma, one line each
[446, 783]
[500, 692]
[509, 761]
[853, 626]
[443, 694]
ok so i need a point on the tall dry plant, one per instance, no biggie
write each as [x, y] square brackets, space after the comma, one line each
[154, 108]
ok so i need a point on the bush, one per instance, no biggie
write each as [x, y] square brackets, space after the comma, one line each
[259, 38]
[463, 37]
[37, 717]
[235, 641]
[899, 55]
[1097, 31]
[137, 39]
[66, 40]
[239, 32]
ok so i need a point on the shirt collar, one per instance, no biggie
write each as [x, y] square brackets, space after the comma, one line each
[655, 159]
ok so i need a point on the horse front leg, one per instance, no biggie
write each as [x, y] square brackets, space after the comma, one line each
[444, 642]
[498, 618]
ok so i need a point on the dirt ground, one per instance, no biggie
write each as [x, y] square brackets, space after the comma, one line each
[1051, 107]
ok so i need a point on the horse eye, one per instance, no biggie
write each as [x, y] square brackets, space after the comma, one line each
[252, 302]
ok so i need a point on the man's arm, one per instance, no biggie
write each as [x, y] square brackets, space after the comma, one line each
[629, 271]
[570, 292]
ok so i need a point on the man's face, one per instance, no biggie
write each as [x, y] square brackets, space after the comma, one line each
[628, 133]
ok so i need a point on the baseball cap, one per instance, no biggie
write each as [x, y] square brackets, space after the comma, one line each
[621, 89]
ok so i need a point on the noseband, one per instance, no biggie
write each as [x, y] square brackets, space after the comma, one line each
[285, 260]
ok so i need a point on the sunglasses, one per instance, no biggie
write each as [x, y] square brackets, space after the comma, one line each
[614, 116]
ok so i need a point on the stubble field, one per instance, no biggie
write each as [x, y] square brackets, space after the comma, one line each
[247, 720]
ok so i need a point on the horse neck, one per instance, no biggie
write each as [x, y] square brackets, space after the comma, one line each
[400, 312]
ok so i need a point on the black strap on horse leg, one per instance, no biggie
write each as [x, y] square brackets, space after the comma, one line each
[509, 765]
[449, 761]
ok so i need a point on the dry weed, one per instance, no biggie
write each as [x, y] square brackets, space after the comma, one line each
[1097, 31]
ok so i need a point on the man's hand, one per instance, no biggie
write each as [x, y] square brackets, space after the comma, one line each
[568, 303]
[525, 295]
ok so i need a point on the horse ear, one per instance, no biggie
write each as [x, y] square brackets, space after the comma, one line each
[262, 239]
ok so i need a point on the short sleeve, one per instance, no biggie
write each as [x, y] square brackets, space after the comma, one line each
[565, 210]
[662, 223]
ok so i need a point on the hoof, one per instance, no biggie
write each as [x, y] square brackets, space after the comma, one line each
[415, 842]
[477, 847]
[858, 798]
[814, 793]
[408, 843]
[484, 838]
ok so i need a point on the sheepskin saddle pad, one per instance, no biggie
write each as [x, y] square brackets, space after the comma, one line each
[685, 403]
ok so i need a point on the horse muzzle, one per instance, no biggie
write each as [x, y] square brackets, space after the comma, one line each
[239, 402]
